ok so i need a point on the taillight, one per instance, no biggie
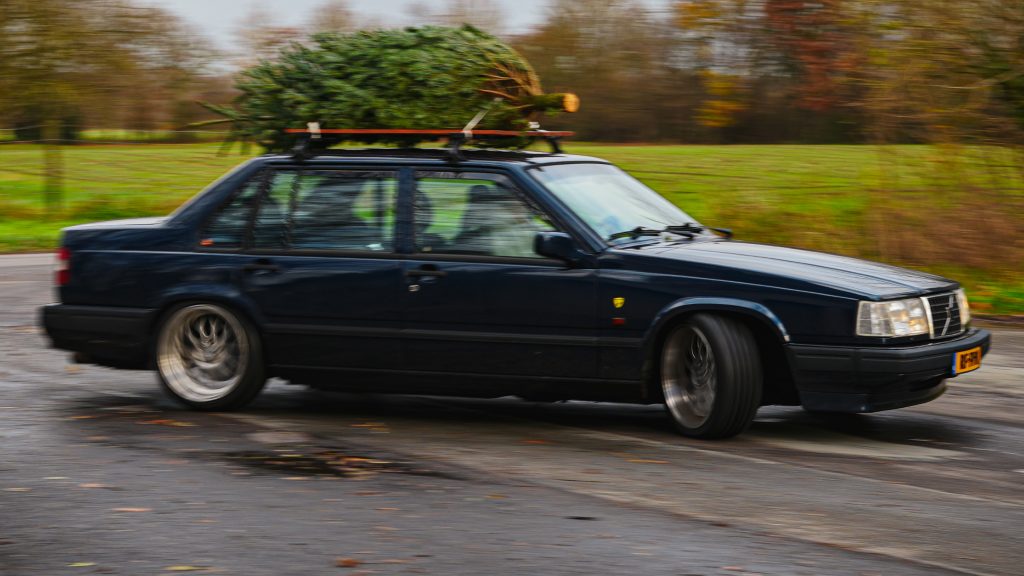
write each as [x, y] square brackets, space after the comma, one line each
[62, 268]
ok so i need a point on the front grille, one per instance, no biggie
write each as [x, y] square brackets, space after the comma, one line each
[945, 315]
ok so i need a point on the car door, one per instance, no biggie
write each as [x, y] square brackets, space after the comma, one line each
[478, 299]
[319, 264]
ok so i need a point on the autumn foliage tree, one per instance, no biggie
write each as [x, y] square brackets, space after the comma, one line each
[95, 61]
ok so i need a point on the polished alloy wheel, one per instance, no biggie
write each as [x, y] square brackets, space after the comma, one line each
[689, 376]
[202, 352]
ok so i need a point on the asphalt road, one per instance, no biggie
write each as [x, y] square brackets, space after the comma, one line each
[100, 474]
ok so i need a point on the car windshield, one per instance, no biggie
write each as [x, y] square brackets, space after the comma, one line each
[610, 201]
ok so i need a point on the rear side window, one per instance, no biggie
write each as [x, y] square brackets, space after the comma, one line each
[310, 210]
[227, 229]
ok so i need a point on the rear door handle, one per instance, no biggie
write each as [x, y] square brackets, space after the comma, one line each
[261, 265]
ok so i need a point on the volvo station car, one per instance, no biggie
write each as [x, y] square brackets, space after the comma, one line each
[491, 273]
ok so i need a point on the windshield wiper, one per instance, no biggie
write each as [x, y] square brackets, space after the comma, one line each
[688, 230]
[635, 233]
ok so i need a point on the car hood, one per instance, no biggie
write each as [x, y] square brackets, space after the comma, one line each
[790, 266]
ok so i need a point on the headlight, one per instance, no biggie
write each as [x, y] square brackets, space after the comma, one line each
[894, 318]
[965, 308]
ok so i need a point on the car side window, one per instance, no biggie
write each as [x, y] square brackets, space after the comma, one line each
[310, 210]
[474, 213]
[344, 211]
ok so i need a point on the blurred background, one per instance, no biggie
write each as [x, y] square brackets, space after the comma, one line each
[884, 129]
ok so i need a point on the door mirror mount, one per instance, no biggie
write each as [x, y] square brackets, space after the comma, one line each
[557, 245]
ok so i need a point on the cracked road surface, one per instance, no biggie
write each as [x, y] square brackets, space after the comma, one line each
[101, 474]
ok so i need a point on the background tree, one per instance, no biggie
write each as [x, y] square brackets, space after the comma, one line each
[485, 15]
[333, 16]
[618, 59]
[260, 38]
[94, 62]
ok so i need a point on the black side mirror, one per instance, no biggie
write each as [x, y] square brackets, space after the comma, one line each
[557, 245]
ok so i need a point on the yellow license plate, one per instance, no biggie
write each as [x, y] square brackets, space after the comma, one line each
[967, 360]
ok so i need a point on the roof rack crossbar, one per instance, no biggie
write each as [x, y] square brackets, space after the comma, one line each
[313, 140]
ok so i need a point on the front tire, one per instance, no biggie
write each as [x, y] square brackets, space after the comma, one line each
[711, 376]
[209, 358]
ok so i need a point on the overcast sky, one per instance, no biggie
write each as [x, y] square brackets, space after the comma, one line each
[218, 19]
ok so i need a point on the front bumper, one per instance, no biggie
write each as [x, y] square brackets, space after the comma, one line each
[843, 379]
[105, 335]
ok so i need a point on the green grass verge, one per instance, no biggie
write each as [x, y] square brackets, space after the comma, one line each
[956, 212]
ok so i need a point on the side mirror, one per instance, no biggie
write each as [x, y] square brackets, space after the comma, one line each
[557, 245]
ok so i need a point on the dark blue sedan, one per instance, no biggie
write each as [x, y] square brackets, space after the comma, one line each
[547, 276]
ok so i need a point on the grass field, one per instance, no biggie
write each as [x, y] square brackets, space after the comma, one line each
[957, 212]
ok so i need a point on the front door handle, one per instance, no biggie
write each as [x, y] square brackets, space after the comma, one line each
[425, 272]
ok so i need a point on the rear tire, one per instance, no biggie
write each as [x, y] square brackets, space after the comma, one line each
[209, 358]
[711, 376]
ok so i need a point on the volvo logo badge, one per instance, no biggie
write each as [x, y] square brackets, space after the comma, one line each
[949, 314]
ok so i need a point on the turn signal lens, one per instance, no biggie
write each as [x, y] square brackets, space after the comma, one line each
[965, 307]
[894, 318]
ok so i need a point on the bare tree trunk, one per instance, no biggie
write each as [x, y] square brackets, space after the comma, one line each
[53, 168]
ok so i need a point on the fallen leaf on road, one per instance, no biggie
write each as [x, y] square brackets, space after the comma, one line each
[497, 496]
[84, 417]
[81, 564]
[185, 568]
[388, 509]
[347, 562]
[165, 422]
[373, 426]
[72, 368]
[133, 509]
[530, 441]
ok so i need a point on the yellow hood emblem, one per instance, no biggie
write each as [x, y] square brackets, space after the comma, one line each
[618, 301]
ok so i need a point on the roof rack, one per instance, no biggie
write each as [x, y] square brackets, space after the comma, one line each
[314, 139]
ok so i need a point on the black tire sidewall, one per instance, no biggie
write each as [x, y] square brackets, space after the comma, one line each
[738, 378]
